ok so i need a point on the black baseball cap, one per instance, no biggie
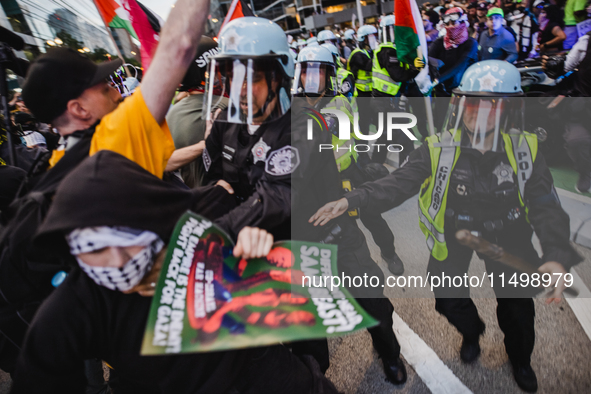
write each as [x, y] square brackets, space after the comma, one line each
[482, 6]
[195, 76]
[61, 75]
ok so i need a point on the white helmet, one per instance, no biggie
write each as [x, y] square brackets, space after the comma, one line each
[301, 43]
[255, 37]
[370, 32]
[388, 20]
[315, 73]
[254, 56]
[326, 36]
[349, 34]
[312, 41]
[366, 30]
[333, 49]
[387, 28]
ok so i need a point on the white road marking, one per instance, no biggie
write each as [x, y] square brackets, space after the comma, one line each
[434, 373]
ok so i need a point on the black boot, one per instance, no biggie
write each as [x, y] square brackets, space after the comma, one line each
[395, 370]
[470, 350]
[525, 377]
[395, 265]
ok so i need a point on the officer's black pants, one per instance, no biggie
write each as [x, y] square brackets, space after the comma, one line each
[417, 107]
[578, 146]
[358, 262]
[354, 259]
[515, 315]
[373, 221]
[387, 104]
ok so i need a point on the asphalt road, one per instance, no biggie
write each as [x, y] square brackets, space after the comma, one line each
[561, 358]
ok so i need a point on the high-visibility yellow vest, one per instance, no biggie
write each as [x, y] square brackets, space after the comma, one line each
[344, 150]
[521, 151]
[363, 78]
[380, 78]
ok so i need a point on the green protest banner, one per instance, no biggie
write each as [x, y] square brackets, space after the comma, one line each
[208, 300]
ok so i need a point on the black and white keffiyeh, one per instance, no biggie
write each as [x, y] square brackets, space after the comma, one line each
[89, 239]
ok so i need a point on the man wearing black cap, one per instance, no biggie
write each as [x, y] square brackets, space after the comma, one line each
[479, 24]
[187, 125]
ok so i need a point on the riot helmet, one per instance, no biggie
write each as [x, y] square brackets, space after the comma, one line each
[254, 69]
[487, 103]
[315, 73]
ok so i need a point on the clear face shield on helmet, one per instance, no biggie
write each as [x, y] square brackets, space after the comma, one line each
[372, 41]
[479, 122]
[315, 79]
[387, 34]
[256, 89]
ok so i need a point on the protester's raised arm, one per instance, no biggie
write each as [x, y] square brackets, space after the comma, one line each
[178, 45]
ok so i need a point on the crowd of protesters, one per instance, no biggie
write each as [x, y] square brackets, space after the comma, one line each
[97, 182]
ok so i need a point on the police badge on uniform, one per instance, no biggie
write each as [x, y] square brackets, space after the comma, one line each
[283, 161]
[259, 151]
[504, 173]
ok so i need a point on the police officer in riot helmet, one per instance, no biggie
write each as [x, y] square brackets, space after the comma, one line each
[315, 87]
[387, 74]
[345, 79]
[350, 43]
[246, 149]
[327, 36]
[489, 178]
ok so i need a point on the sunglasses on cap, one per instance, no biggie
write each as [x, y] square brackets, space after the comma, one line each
[451, 18]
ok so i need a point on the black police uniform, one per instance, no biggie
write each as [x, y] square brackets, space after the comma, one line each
[293, 177]
[255, 166]
[359, 61]
[482, 195]
[388, 59]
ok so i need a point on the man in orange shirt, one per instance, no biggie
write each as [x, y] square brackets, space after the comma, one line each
[72, 93]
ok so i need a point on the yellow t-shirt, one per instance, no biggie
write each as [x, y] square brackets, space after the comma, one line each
[132, 131]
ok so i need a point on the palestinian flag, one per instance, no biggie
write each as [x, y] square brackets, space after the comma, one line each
[237, 9]
[138, 20]
[410, 39]
[115, 16]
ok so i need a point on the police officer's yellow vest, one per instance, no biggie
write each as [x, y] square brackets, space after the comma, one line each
[380, 78]
[521, 151]
[342, 74]
[363, 78]
[344, 150]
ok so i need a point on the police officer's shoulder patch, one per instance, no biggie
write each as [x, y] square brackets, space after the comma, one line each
[282, 161]
[345, 87]
[206, 159]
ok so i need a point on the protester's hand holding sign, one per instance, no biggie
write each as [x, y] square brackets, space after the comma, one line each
[252, 243]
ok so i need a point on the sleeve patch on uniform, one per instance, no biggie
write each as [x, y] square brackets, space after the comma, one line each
[206, 159]
[282, 161]
[345, 87]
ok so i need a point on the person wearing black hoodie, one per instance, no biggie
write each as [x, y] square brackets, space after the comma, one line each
[88, 318]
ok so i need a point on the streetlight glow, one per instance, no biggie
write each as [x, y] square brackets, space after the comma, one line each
[50, 43]
[58, 41]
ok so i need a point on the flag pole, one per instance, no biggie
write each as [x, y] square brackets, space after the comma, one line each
[112, 38]
[428, 106]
